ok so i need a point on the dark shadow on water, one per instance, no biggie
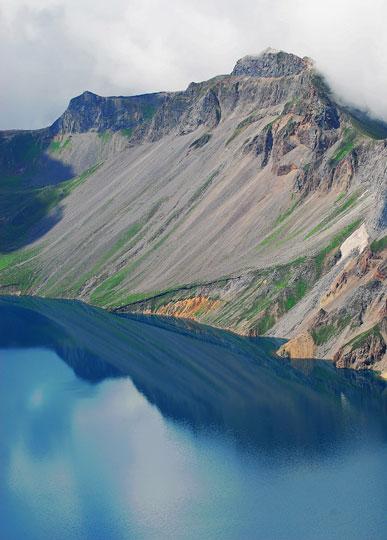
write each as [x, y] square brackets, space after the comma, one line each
[204, 378]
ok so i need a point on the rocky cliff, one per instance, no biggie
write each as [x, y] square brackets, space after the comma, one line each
[252, 201]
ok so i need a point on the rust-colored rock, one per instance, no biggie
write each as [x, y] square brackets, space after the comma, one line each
[188, 308]
[301, 346]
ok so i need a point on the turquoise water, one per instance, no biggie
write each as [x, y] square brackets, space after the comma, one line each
[115, 427]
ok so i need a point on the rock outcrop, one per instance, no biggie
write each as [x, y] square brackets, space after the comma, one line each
[271, 63]
[90, 112]
[366, 351]
[299, 347]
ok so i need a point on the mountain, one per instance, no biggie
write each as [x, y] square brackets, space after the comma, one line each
[254, 202]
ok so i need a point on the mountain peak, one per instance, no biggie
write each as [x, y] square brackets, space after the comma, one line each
[270, 63]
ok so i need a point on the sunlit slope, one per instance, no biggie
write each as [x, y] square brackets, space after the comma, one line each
[227, 202]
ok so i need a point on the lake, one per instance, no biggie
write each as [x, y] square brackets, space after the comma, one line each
[119, 426]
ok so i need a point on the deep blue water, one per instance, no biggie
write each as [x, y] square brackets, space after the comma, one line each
[115, 427]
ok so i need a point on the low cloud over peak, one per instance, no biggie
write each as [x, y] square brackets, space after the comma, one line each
[56, 49]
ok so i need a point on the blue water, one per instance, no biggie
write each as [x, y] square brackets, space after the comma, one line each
[115, 427]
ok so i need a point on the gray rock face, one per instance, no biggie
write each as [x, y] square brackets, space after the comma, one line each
[270, 63]
[89, 112]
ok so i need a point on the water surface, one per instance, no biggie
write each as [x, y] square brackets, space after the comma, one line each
[115, 427]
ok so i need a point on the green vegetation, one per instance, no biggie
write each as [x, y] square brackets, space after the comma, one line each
[108, 255]
[335, 243]
[17, 269]
[340, 209]
[259, 305]
[105, 136]
[124, 238]
[340, 196]
[284, 296]
[203, 140]
[282, 217]
[148, 111]
[107, 293]
[346, 146]
[140, 297]
[272, 237]
[288, 287]
[272, 293]
[265, 323]
[343, 321]
[202, 189]
[104, 292]
[8, 260]
[370, 127]
[57, 145]
[379, 245]
[324, 333]
[362, 338]
[127, 132]
[241, 127]
[295, 294]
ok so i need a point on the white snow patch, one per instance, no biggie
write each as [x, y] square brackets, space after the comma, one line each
[357, 241]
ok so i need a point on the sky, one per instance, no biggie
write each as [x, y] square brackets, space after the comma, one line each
[52, 50]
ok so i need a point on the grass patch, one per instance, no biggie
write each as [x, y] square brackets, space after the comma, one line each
[323, 334]
[127, 132]
[148, 111]
[370, 127]
[259, 305]
[202, 189]
[8, 260]
[295, 294]
[17, 270]
[379, 245]
[265, 323]
[272, 237]
[282, 217]
[361, 339]
[340, 197]
[56, 145]
[241, 127]
[202, 141]
[122, 241]
[105, 136]
[346, 146]
[336, 241]
[343, 207]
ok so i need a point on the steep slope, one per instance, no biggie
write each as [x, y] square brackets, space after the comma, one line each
[227, 202]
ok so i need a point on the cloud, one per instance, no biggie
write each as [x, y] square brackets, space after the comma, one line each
[51, 50]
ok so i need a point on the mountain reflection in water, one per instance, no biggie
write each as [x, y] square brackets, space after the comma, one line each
[207, 379]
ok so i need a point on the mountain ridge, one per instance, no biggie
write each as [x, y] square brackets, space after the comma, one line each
[227, 202]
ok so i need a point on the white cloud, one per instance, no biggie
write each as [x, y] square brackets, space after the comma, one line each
[51, 50]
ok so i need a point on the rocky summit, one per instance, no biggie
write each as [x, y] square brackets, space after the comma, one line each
[254, 202]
